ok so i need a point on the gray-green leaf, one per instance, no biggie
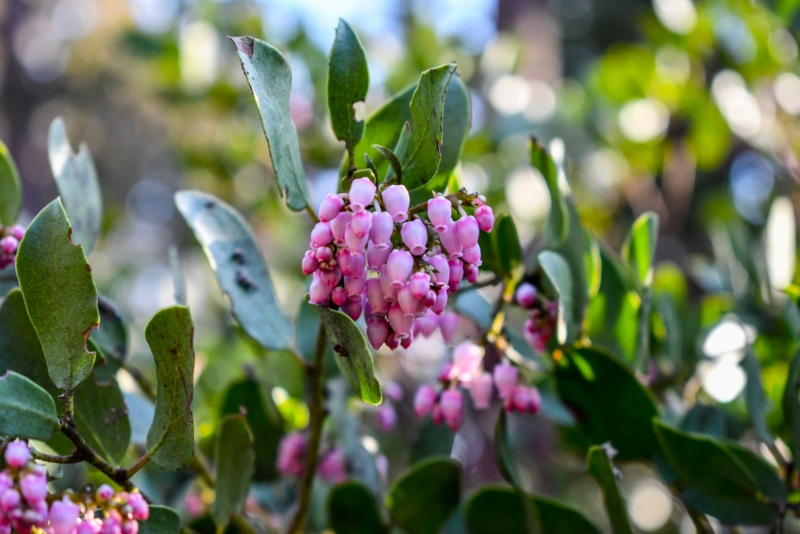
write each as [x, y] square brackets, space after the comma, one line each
[170, 336]
[10, 189]
[238, 265]
[270, 79]
[235, 461]
[348, 81]
[162, 520]
[558, 220]
[60, 295]
[101, 416]
[26, 410]
[558, 272]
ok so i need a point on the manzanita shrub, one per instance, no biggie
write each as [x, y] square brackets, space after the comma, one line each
[398, 253]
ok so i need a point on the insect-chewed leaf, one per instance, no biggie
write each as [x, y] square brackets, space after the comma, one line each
[26, 410]
[10, 189]
[348, 81]
[235, 461]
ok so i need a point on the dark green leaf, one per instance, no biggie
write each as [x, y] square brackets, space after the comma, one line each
[111, 340]
[609, 403]
[767, 479]
[741, 511]
[394, 163]
[425, 497]
[507, 246]
[756, 399]
[270, 79]
[170, 336]
[162, 520]
[101, 416]
[639, 248]
[238, 265]
[503, 454]
[603, 472]
[558, 272]
[352, 510]
[352, 354]
[60, 295]
[348, 81]
[77, 183]
[10, 189]
[613, 314]
[432, 440]
[26, 410]
[262, 418]
[791, 404]
[235, 461]
[558, 220]
[419, 146]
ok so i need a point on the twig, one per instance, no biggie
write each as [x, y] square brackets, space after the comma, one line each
[72, 458]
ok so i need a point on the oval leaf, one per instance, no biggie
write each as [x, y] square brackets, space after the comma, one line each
[348, 81]
[352, 354]
[101, 416]
[170, 336]
[77, 183]
[558, 220]
[423, 499]
[26, 410]
[10, 189]
[352, 510]
[270, 79]
[60, 295]
[560, 275]
[603, 472]
[639, 249]
[238, 265]
[235, 461]
[162, 520]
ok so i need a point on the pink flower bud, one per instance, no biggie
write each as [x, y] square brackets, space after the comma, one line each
[17, 454]
[9, 244]
[429, 299]
[330, 207]
[362, 193]
[361, 224]
[448, 324]
[450, 241]
[456, 273]
[375, 297]
[382, 228]
[415, 236]
[485, 217]
[331, 278]
[396, 200]
[441, 302]
[428, 323]
[291, 454]
[387, 417]
[408, 303]
[104, 493]
[5, 481]
[324, 255]
[310, 263]
[319, 291]
[141, 511]
[353, 308]
[321, 235]
[534, 400]
[400, 322]
[505, 379]
[377, 330]
[467, 231]
[442, 274]
[526, 295]
[440, 212]
[393, 390]
[391, 341]
[467, 359]
[481, 390]
[18, 232]
[64, 516]
[355, 285]
[377, 255]
[338, 226]
[389, 291]
[471, 273]
[89, 526]
[129, 526]
[354, 243]
[399, 266]
[452, 403]
[345, 261]
[424, 400]
[519, 401]
[406, 341]
[437, 415]
[9, 500]
[420, 284]
[339, 295]
[332, 468]
[34, 487]
[111, 525]
[472, 256]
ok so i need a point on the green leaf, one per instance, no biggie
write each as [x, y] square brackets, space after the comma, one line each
[501, 250]
[162, 520]
[348, 81]
[78, 186]
[10, 188]
[110, 340]
[603, 472]
[170, 336]
[558, 272]
[423, 499]
[101, 416]
[639, 248]
[791, 404]
[503, 453]
[238, 265]
[352, 510]
[60, 295]
[352, 354]
[270, 79]
[767, 478]
[391, 157]
[558, 220]
[609, 403]
[756, 399]
[235, 461]
[494, 509]
[419, 146]
[249, 397]
[432, 440]
[26, 410]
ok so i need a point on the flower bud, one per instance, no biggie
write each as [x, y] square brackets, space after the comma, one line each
[330, 207]
[505, 379]
[64, 516]
[440, 213]
[480, 388]
[310, 263]
[324, 255]
[467, 231]
[534, 400]
[18, 232]
[396, 199]
[319, 291]
[381, 231]
[428, 323]
[485, 217]
[387, 417]
[518, 400]
[354, 243]
[338, 226]
[338, 295]
[353, 308]
[452, 403]
[393, 390]
[375, 297]
[34, 487]
[331, 278]
[377, 255]
[399, 266]
[437, 416]
[355, 285]
[406, 341]
[377, 330]
[141, 511]
[361, 224]
[89, 526]
[332, 468]
[321, 235]
[362, 193]
[17, 454]
[9, 500]
[391, 341]
[291, 454]
[526, 295]
[9, 244]
[420, 284]
[424, 400]
[472, 256]
[389, 291]
[467, 359]
[441, 302]
[415, 236]
[104, 493]
[429, 299]
[406, 300]
[441, 276]
[450, 241]
[456, 273]
[448, 324]
[400, 322]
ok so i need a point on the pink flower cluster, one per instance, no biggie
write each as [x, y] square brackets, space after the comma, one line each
[466, 370]
[9, 243]
[24, 502]
[332, 467]
[369, 254]
[541, 325]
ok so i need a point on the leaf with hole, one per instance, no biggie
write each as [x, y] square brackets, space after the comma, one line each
[348, 81]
